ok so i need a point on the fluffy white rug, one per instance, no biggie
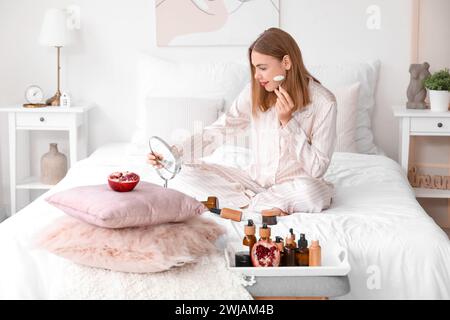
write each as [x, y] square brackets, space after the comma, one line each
[208, 279]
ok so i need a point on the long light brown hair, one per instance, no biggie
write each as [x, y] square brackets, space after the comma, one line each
[278, 43]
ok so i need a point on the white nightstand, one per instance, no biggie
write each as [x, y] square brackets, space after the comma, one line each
[421, 123]
[73, 119]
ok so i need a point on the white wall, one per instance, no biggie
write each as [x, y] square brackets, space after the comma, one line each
[330, 31]
[434, 35]
[434, 47]
[100, 68]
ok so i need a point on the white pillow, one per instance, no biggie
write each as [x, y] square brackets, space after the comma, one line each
[158, 77]
[163, 78]
[347, 110]
[175, 119]
[346, 74]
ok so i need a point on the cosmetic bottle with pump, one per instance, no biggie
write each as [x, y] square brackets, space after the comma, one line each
[280, 245]
[302, 254]
[289, 250]
[315, 254]
[249, 239]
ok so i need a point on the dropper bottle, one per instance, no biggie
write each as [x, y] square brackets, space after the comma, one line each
[249, 239]
[292, 236]
[228, 213]
[264, 233]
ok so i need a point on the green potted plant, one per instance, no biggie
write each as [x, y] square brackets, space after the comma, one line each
[438, 85]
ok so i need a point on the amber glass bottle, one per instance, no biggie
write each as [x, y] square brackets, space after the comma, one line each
[249, 239]
[302, 254]
[292, 236]
[280, 245]
[264, 233]
[290, 252]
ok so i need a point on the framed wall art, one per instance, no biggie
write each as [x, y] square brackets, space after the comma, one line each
[213, 22]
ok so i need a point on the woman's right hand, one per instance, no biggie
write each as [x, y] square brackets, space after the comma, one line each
[154, 158]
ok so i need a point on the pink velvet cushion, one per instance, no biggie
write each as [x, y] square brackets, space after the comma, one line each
[140, 250]
[147, 204]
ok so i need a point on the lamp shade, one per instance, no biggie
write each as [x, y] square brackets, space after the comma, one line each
[54, 30]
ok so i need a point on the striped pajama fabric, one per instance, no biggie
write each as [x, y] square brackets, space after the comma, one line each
[301, 194]
[287, 163]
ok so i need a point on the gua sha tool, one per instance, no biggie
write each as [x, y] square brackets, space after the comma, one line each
[279, 79]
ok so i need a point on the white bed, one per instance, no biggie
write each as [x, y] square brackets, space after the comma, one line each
[396, 251]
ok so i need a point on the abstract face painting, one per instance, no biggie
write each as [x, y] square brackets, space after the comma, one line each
[213, 22]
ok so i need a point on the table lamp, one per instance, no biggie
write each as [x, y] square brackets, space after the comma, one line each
[54, 34]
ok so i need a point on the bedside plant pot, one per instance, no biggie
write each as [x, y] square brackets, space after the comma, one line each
[439, 100]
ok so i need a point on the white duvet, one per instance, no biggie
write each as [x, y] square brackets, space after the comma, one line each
[396, 251]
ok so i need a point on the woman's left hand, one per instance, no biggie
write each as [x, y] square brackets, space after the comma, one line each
[284, 106]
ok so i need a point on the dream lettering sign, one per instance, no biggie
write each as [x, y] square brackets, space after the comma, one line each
[427, 181]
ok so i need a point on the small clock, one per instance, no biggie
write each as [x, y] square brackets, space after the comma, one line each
[34, 95]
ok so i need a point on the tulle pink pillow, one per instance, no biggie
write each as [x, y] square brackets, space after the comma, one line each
[140, 250]
[147, 204]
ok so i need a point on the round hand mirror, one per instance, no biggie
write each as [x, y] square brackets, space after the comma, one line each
[171, 161]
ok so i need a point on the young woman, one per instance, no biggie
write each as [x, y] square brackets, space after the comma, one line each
[292, 124]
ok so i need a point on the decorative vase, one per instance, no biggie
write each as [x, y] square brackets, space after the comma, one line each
[53, 166]
[439, 100]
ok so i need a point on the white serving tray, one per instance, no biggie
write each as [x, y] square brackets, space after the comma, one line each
[334, 263]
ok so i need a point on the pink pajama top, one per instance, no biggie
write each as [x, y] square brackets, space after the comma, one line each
[302, 148]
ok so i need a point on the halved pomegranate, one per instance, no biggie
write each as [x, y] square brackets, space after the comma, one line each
[265, 254]
[123, 181]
